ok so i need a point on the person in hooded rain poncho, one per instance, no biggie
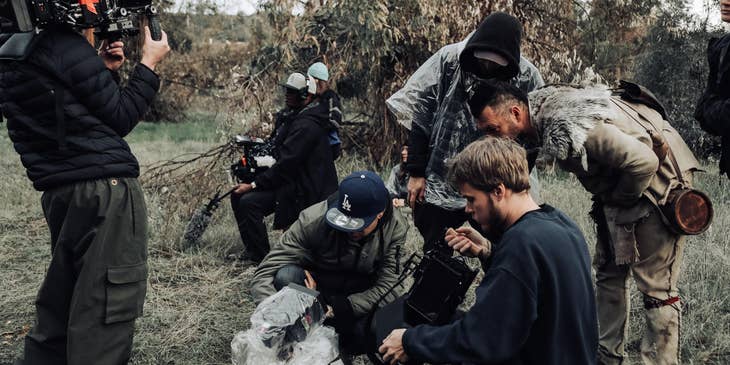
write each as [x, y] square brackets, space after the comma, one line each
[433, 106]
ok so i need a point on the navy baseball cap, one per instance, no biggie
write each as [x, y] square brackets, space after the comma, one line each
[361, 197]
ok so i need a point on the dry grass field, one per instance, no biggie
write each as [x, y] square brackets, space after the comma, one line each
[197, 301]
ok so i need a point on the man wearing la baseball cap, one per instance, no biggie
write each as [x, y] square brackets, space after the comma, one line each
[348, 248]
[361, 203]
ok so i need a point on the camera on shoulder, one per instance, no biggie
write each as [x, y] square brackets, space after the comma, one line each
[112, 19]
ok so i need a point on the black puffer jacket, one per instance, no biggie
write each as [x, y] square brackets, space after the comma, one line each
[304, 173]
[97, 112]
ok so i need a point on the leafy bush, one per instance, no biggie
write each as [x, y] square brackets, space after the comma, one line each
[674, 66]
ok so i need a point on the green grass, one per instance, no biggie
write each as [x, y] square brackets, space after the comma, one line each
[197, 300]
[196, 126]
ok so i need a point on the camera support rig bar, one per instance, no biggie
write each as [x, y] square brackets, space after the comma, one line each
[113, 19]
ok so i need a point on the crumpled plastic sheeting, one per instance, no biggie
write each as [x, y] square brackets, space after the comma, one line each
[320, 347]
[435, 100]
[269, 342]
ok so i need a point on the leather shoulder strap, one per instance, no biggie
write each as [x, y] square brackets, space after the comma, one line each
[623, 106]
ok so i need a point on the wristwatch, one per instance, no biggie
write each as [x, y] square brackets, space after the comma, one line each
[253, 185]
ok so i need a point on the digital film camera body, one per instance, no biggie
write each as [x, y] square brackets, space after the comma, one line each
[112, 19]
[247, 167]
[440, 283]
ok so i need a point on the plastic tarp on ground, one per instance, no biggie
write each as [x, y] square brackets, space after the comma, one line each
[286, 328]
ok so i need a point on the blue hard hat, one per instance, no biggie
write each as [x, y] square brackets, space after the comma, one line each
[319, 71]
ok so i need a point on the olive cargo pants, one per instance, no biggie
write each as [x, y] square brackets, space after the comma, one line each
[656, 274]
[97, 279]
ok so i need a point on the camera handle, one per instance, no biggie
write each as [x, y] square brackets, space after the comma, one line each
[154, 21]
[213, 203]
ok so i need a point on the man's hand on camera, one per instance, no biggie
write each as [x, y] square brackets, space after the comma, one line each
[392, 347]
[468, 242]
[243, 188]
[153, 51]
[416, 190]
[112, 54]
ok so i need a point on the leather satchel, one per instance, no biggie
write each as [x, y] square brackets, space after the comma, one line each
[688, 211]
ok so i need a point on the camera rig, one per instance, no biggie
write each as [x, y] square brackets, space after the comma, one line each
[440, 283]
[256, 158]
[113, 19]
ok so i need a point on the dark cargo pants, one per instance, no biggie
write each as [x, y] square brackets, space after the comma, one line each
[97, 280]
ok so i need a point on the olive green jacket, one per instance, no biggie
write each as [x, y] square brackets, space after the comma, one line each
[313, 245]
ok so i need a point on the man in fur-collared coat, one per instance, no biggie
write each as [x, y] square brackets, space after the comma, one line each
[607, 143]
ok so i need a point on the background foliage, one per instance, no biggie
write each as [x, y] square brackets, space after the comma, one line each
[234, 62]
[222, 76]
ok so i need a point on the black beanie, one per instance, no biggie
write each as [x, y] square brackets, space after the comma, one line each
[500, 33]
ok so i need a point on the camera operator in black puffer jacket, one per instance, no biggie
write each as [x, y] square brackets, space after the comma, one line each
[304, 172]
[67, 116]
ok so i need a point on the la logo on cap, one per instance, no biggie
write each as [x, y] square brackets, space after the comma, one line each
[346, 203]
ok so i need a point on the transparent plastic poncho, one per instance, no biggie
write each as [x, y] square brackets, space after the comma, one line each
[434, 99]
[286, 328]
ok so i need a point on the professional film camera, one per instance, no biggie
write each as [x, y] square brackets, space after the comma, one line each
[439, 287]
[256, 158]
[112, 19]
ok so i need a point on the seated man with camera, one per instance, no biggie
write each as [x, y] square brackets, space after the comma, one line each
[303, 174]
[348, 248]
[535, 304]
[67, 117]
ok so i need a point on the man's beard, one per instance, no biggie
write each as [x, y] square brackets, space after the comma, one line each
[495, 227]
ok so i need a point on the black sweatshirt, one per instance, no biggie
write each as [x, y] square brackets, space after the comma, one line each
[535, 304]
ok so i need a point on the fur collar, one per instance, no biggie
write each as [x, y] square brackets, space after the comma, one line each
[564, 115]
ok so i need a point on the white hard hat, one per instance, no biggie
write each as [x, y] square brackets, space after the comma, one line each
[296, 81]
